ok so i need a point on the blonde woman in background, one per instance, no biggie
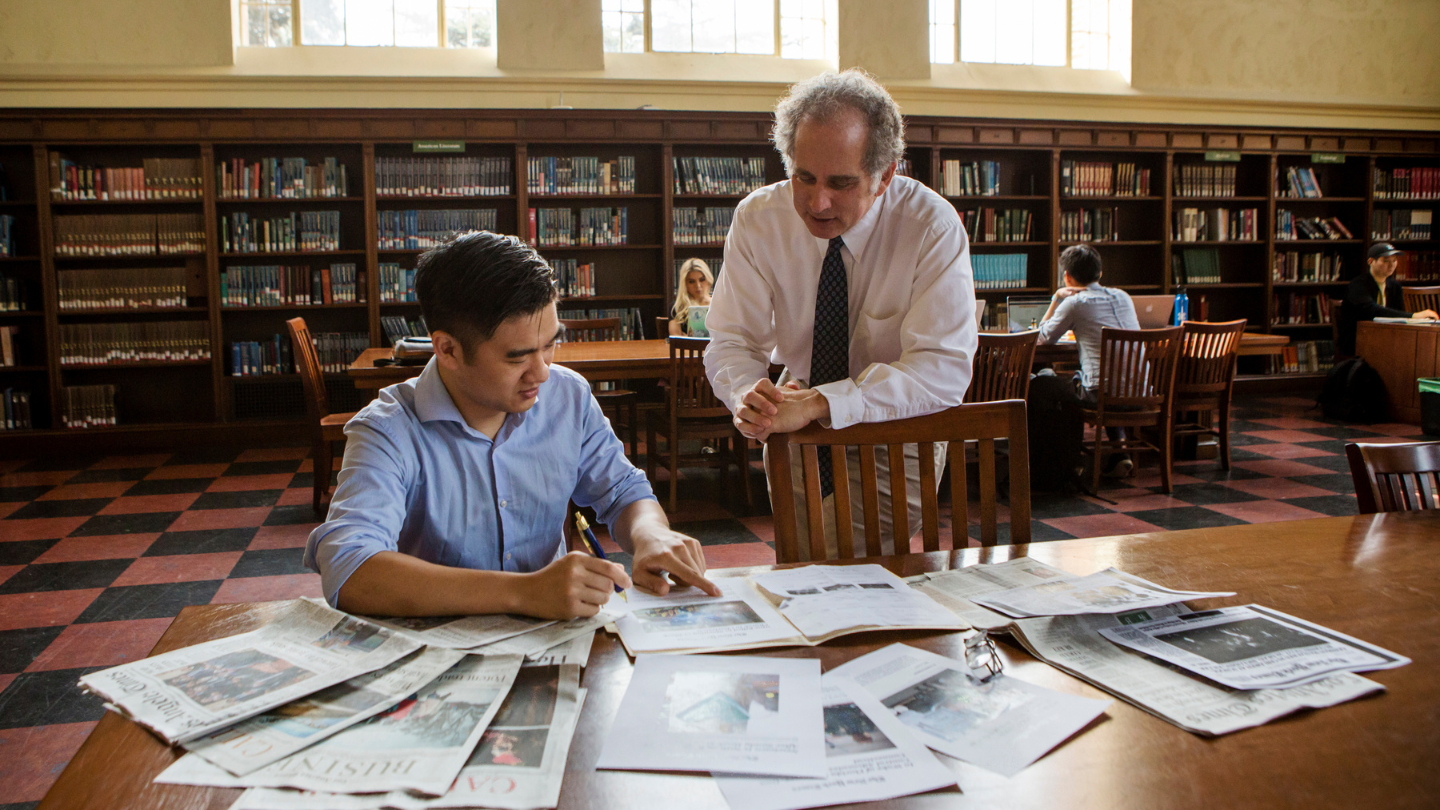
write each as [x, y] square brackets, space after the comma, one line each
[694, 291]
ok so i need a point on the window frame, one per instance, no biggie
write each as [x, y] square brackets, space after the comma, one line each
[776, 48]
[1069, 42]
[441, 41]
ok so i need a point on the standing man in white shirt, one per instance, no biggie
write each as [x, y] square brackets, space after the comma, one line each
[857, 280]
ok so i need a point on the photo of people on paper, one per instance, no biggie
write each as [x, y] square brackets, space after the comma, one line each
[720, 702]
[517, 747]
[949, 704]
[234, 678]
[1236, 641]
[427, 720]
[353, 634]
[848, 731]
[704, 614]
[304, 718]
[532, 697]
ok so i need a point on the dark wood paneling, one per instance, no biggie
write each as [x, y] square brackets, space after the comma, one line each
[918, 133]
[67, 130]
[590, 128]
[1113, 137]
[230, 129]
[945, 134]
[1152, 140]
[1419, 145]
[1389, 145]
[997, 135]
[640, 130]
[1255, 141]
[1187, 140]
[1324, 143]
[283, 128]
[690, 130]
[1076, 137]
[1037, 137]
[736, 130]
[389, 128]
[544, 129]
[1290, 142]
[1216, 140]
[176, 129]
[1356, 144]
[335, 128]
[19, 129]
[439, 128]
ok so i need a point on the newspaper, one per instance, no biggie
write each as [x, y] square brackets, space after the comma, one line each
[871, 756]
[958, 588]
[1001, 724]
[191, 692]
[536, 642]
[825, 600]
[575, 651]
[1109, 591]
[462, 632]
[689, 620]
[737, 714]
[1074, 644]
[1251, 647]
[280, 732]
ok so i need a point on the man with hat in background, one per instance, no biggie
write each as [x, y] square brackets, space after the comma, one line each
[1374, 294]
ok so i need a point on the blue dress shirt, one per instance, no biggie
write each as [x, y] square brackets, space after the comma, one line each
[1087, 312]
[419, 480]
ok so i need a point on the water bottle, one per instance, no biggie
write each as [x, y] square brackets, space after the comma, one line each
[1184, 306]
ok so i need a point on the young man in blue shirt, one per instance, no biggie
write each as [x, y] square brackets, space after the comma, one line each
[452, 496]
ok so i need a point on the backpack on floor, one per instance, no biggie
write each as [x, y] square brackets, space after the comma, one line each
[1354, 392]
[1057, 428]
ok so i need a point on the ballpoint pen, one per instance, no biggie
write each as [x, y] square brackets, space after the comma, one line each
[593, 546]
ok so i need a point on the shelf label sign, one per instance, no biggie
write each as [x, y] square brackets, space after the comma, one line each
[1327, 157]
[426, 147]
[1223, 157]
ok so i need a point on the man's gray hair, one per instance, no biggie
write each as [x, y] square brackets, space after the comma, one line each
[829, 94]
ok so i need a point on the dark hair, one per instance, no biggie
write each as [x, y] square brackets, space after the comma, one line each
[478, 280]
[1082, 262]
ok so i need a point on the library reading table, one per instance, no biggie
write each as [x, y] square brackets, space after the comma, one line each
[1400, 352]
[1371, 576]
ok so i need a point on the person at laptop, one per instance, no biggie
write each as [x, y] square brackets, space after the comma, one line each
[452, 496]
[1086, 307]
[1372, 295]
[693, 291]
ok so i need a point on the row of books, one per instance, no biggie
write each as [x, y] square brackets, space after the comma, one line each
[580, 175]
[701, 226]
[1290, 227]
[1307, 356]
[1216, 225]
[434, 176]
[1401, 223]
[121, 288]
[278, 285]
[1195, 266]
[397, 284]
[420, 229]
[397, 327]
[631, 324]
[89, 344]
[576, 280]
[998, 225]
[999, 271]
[87, 406]
[337, 350]
[154, 179]
[7, 235]
[1407, 183]
[995, 318]
[9, 345]
[1418, 265]
[298, 231]
[1292, 265]
[979, 178]
[562, 227]
[1301, 308]
[16, 406]
[1300, 181]
[1091, 179]
[717, 175]
[253, 358]
[281, 178]
[1090, 225]
[13, 294]
[129, 234]
[1204, 180]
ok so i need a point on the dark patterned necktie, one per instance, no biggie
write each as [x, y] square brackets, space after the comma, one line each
[830, 355]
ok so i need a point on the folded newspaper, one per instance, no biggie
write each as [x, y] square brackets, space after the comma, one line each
[1109, 591]
[461, 632]
[190, 692]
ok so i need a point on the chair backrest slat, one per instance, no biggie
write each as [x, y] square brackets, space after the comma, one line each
[1137, 367]
[959, 492]
[899, 501]
[312, 377]
[988, 528]
[1002, 367]
[592, 329]
[844, 532]
[1206, 368]
[1394, 477]
[870, 496]
[929, 503]
[811, 462]
[1418, 298]
[691, 395]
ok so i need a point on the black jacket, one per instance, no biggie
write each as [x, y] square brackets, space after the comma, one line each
[1360, 305]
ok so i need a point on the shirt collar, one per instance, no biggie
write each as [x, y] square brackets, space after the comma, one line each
[1094, 285]
[859, 233]
[433, 403]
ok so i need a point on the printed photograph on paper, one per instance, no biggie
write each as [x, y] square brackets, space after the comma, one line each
[234, 678]
[426, 720]
[304, 718]
[700, 615]
[353, 635]
[948, 704]
[518, 747]
[1104, 596]
[1236, 641]
[719, 702]
[419, 623]
[532, 698]
[848, 731]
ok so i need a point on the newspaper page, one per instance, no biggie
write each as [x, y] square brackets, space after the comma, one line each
[536, 642]
[1109, 591]
[575, 651]
[826, 600]
[462, 632]
[958, 588]
[870, 754]
[191, 692]
[1073, 644]
[280, 732]
[1251, 647]
[1002, 724]
[688, 620]
[737, 714]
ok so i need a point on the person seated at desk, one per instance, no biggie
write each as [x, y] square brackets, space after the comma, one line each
[452, 495]
[694, 291]
[1086, 307]
[1373, 295]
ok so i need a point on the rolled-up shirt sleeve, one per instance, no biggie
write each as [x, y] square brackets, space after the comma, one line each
[608, 482]
[740, 342]
[1061, 322]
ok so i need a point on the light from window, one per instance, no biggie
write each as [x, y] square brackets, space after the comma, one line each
[942, 32]
[469, 23]
[265, 23]
[623, 23]
[1013, 32]
[713, 26]
[803, 32]
[1100, 35]
[369, 22]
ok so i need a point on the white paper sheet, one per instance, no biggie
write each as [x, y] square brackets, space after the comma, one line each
[534, 643]
[687, 619]
[1109, 591]
[462, 632]
[823, 599]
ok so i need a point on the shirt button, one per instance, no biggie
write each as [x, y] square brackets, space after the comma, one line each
[509, 556]
[502, 504]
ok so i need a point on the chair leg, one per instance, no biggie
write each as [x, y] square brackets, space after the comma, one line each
[1224, 419]
[634, 429]
[1167, 450]
[742, 456]
[672, 448]
[1099, 448]
[320, 472]
[650, 451]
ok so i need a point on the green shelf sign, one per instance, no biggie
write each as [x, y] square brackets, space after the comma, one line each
[1327, 157]
[1223, 157]
[426, 147]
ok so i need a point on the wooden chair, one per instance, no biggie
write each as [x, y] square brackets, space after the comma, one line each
[980, 422]
[1418, 298]
[601, 329]
[662, 327]
[326, 427]
[1395, 477]
[1002, 367]
[1204, 378]
[1137, 381]
[694, 412]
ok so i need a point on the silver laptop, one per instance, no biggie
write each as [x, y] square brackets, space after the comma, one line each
[1024, 314]
[1153, 311]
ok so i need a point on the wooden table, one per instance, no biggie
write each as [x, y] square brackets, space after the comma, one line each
[598, 360]
[1400, 352]
[1373, 576]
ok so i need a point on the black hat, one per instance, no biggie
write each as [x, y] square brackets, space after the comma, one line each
[1380, 249]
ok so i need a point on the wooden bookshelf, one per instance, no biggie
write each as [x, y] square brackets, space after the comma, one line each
[159, 402]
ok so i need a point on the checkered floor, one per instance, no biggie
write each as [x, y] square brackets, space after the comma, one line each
[97, 555]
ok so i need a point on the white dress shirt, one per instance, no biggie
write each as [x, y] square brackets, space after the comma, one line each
[912, 304]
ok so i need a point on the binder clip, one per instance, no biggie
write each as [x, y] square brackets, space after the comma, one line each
[981, 657]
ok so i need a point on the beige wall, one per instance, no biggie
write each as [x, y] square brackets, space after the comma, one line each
[552, 34]
[1309, 63]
